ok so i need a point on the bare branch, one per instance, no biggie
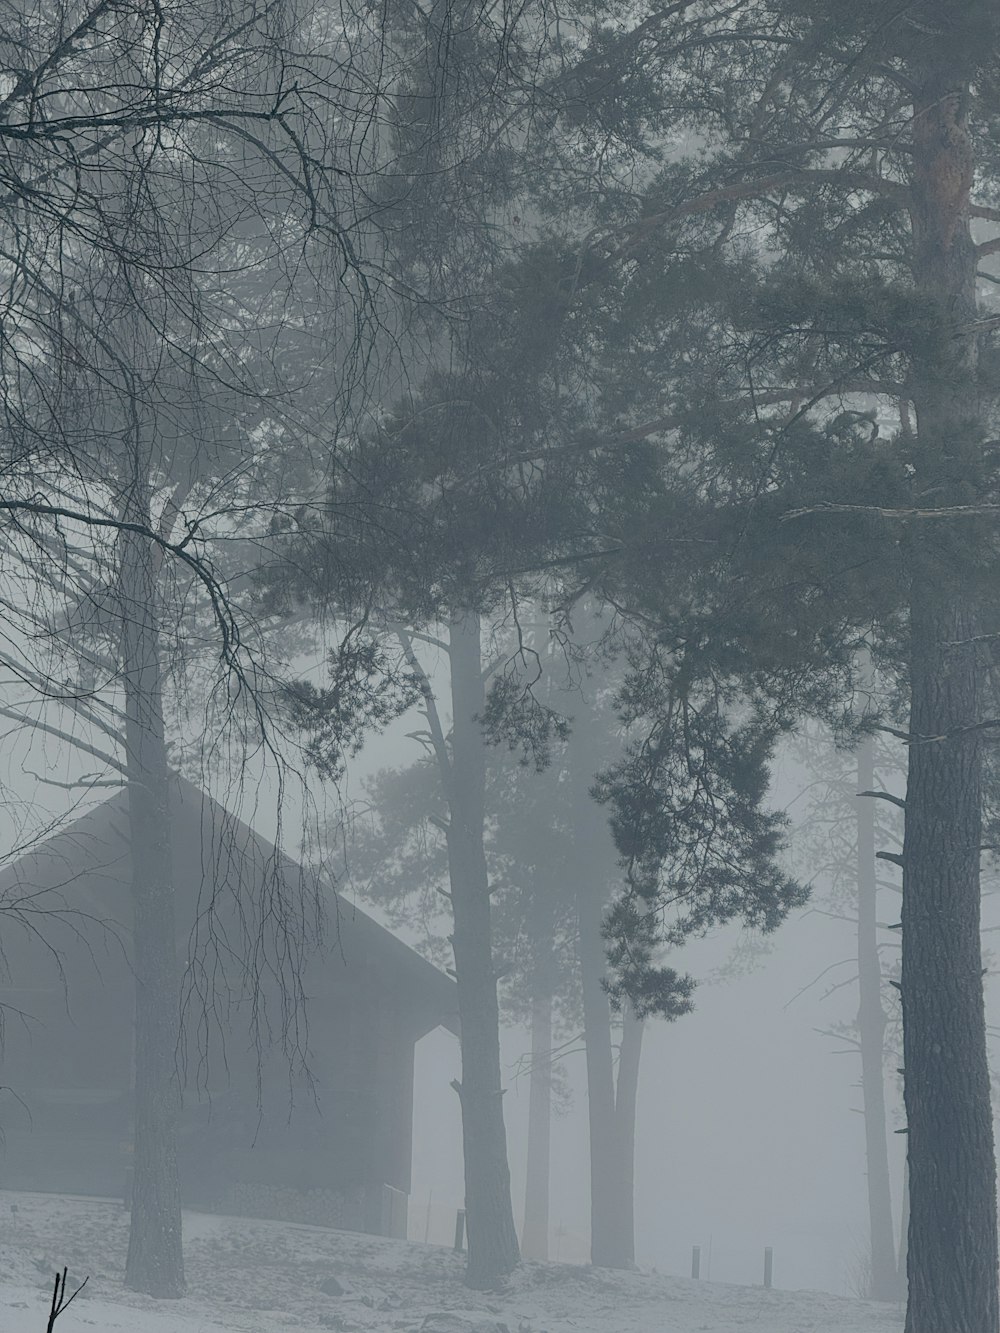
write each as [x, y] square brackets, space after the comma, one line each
[878, 511]
[885, 796]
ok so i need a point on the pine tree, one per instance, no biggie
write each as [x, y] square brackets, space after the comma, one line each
[827, 390]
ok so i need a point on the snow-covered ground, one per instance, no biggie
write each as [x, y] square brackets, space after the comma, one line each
[265, 1277]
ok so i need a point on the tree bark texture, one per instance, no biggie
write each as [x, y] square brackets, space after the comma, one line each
[952, 1240]
[155, 1263]
[493, 1248]
[952, 1248]
[871, 1035]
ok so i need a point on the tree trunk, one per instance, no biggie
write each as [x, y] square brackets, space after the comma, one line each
[904, 1228]
[611, 1243]
[600, 1078]
[626, 1098]
[535, 1233]
[952, 1247]
[155, 1262]
[871, 1034]
[493, 1251]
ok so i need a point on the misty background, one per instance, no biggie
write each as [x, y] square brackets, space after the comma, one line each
[530, 474]
[749, 1124]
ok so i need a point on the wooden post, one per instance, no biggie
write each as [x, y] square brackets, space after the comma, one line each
[768, 1266]
[460, 1230]
[696, 1261]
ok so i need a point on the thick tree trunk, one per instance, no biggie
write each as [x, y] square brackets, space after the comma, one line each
[952, 1247]
[871, 1034]
[155, 1263]
[493, 1250]
[535, 1233]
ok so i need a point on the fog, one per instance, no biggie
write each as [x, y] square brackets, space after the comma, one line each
[749, 1128]
[499, 666]
[749, 1132]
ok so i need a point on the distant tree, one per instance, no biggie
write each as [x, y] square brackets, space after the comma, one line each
[547, 916]
[374, 678]
[398, 858]
[838, 836]
[611, 1095]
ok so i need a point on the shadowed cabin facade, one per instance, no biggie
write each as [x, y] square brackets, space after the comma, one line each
[337, 1153]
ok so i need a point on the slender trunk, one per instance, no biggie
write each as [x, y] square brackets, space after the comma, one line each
[600, 1075]
[904, 1227]
[535, 1233]
[871, 1033]
[952, 1247]
[155, 1263]
[609, 1242]
[626, 1097]
[493, 1251]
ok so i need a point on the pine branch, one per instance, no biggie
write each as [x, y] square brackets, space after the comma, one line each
[803, 178]
[752, 402]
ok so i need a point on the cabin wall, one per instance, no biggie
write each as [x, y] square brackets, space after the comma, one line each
[341, 1157]
[335, 1153]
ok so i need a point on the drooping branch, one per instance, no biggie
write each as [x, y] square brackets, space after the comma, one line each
[59, 734]
[222, 613]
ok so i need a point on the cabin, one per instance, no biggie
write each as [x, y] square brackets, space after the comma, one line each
[326, 1140]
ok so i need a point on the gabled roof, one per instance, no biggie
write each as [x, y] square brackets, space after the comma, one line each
[87, 866]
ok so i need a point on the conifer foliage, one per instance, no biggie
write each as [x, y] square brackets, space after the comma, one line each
[809, 343]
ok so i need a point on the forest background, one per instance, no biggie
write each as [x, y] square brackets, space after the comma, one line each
[664, 304]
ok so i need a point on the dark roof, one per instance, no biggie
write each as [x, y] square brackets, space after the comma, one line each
[86, 866]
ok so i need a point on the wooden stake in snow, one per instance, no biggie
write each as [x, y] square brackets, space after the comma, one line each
[768, 1266]
[696, 1261]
